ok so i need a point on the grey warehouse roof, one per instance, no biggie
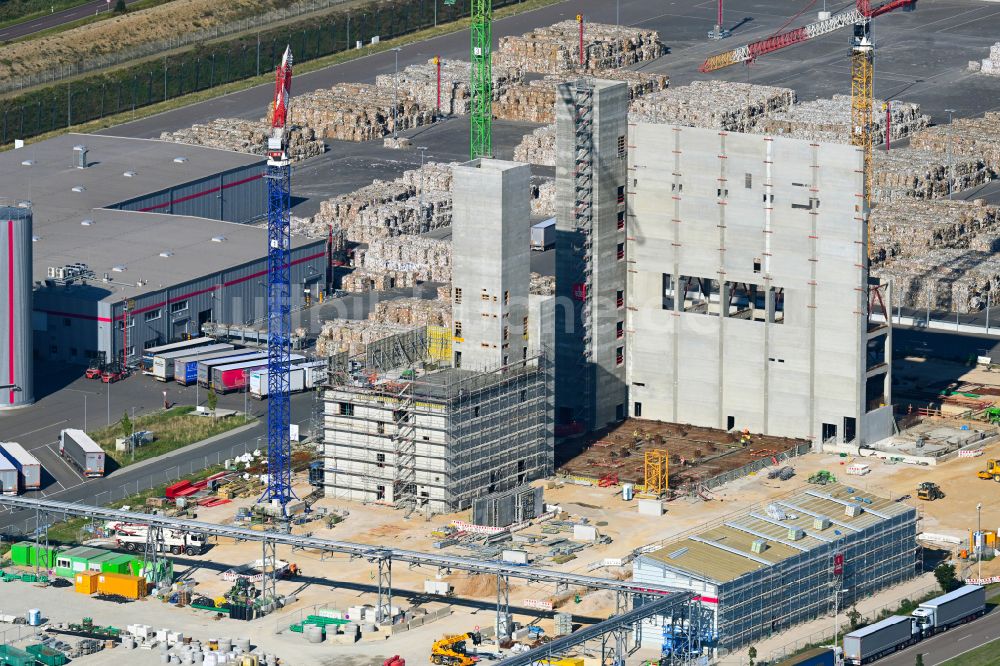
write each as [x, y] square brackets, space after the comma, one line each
[160, 250]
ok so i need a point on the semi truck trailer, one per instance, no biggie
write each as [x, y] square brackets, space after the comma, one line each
[879, 639]
[163, 364]
[543, 235]
[961, 605]
[77, 447]
[8, 477]
[28, 467]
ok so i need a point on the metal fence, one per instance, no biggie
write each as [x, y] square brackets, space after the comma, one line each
[210, 65]
[755, 466]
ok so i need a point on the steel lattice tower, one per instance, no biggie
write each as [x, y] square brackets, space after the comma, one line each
[481, 131]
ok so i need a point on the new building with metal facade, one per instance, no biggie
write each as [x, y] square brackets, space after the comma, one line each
[165, 231]
[772, 566]
[407, 430]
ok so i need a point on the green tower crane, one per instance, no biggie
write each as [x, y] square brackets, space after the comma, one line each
[481, 132]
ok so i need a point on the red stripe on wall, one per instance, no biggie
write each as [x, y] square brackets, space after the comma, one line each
[10, 308]
[202, 193]
[708, 600]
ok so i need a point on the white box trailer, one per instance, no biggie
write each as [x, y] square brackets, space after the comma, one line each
[8, 477]
[875, 640]
[300, 378]
[205, 367]
[163, 364]
[77, 446]
[28, 467]
[543, 235]
[961, 605]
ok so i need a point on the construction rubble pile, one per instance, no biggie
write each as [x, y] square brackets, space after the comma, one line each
[428, 260]
[969, 137]
[544, 285]
[556, 49]
[359, 112]
[907, 228]
[737, 107]
[412, 312]
[920, 174]
[539, 147]
[829, 120]
[421, 83]
[246, 136]
[990, 65]
[534, 101]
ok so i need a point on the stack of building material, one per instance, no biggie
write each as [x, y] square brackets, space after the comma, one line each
[420, 83]
[722, 104]
[535, 100]
[829, 120]
[556, 48]
[970, 137]
[920, 174]
[412, 312]
[246, 136]
[361, 281]
[542, 284]
[358, 111]
[955, 280]
[990, 65]
[909, 228]
[543, 200]
[429, 260]
[353, 336]
[539, 147]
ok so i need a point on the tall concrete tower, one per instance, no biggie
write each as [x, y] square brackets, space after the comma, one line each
[16, 384]
[591, 175]
[491, 268]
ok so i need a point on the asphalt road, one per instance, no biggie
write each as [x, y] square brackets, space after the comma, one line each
[950, 644]
[56, 19]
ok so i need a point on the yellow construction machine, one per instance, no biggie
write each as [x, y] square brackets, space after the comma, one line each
[929, 491]
[992, 471]
[450, 650]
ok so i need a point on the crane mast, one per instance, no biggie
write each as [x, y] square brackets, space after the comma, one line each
[279, 172]
[481, 48]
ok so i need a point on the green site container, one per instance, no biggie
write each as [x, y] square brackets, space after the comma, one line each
[120, 564]
[25, 554]
[11, 656]
[47, 655]
[69, 562]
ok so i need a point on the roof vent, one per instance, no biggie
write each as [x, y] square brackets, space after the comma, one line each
[219, 239]
[79, 188]
[821, 524]
[677, 553]
[853, 510]
[118, 269]
[86, 223]
[758, 546]
[166, 254]
[795, 534]
[28, 163]
[129, 174]
[180, 160]
[80, 156]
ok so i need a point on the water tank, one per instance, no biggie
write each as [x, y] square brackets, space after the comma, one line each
[16, 385]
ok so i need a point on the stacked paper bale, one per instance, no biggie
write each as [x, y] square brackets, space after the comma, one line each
[725, 105]
[360, 281]
[353, 336]
[412, 312]
[542, 284]
[556, 49]
[956, 280]
[543, 202]
[990, 65]
[908, 228]
[829, 120]
[970, 137]
[428, 260]
[358, 111]
[420, 83]
[920, 174]
[539, 147]
[535, 100]
[246, 136]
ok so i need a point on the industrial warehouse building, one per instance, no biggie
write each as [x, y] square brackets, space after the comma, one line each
[749, 298]
[167, 232]
[770, 567]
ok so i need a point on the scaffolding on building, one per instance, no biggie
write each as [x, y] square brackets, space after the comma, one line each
[583, 245]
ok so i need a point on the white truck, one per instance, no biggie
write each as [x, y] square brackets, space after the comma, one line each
[27, 465]
[543, 235]
[961, 605]
[82, 451]
[132, 537]
[879, 639]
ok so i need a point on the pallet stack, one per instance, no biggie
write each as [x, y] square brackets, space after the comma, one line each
[908, 228]
[429, 260]
[737, 107]
[920, 174]
[829, 120]
[556, 49]
[246, 136]
[970, 137]
[420, 83]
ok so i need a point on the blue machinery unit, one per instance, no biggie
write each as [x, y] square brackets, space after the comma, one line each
[279, 290]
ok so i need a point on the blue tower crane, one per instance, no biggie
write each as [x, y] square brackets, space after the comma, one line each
[279, 320]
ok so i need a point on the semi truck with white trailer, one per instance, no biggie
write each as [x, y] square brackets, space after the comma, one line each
[879, 639]
[28, 467]
[77, 447]
[301, 377]
[966, 603]
[163, 364]
[186, 367]
[8, 477]
[133, 537]
[543, 235]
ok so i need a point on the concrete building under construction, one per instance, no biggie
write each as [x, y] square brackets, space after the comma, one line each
[405, 428]
[749, 299]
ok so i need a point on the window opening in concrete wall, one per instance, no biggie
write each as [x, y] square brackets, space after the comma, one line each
[698, 294]
[776, 305]
[829, 432]
[876, 352]
[849, 428]
[756, 265]
[748, 181]
[875, 392]
[637, 409]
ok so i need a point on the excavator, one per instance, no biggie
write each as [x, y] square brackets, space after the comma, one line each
[450, 650]
[992, 471]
